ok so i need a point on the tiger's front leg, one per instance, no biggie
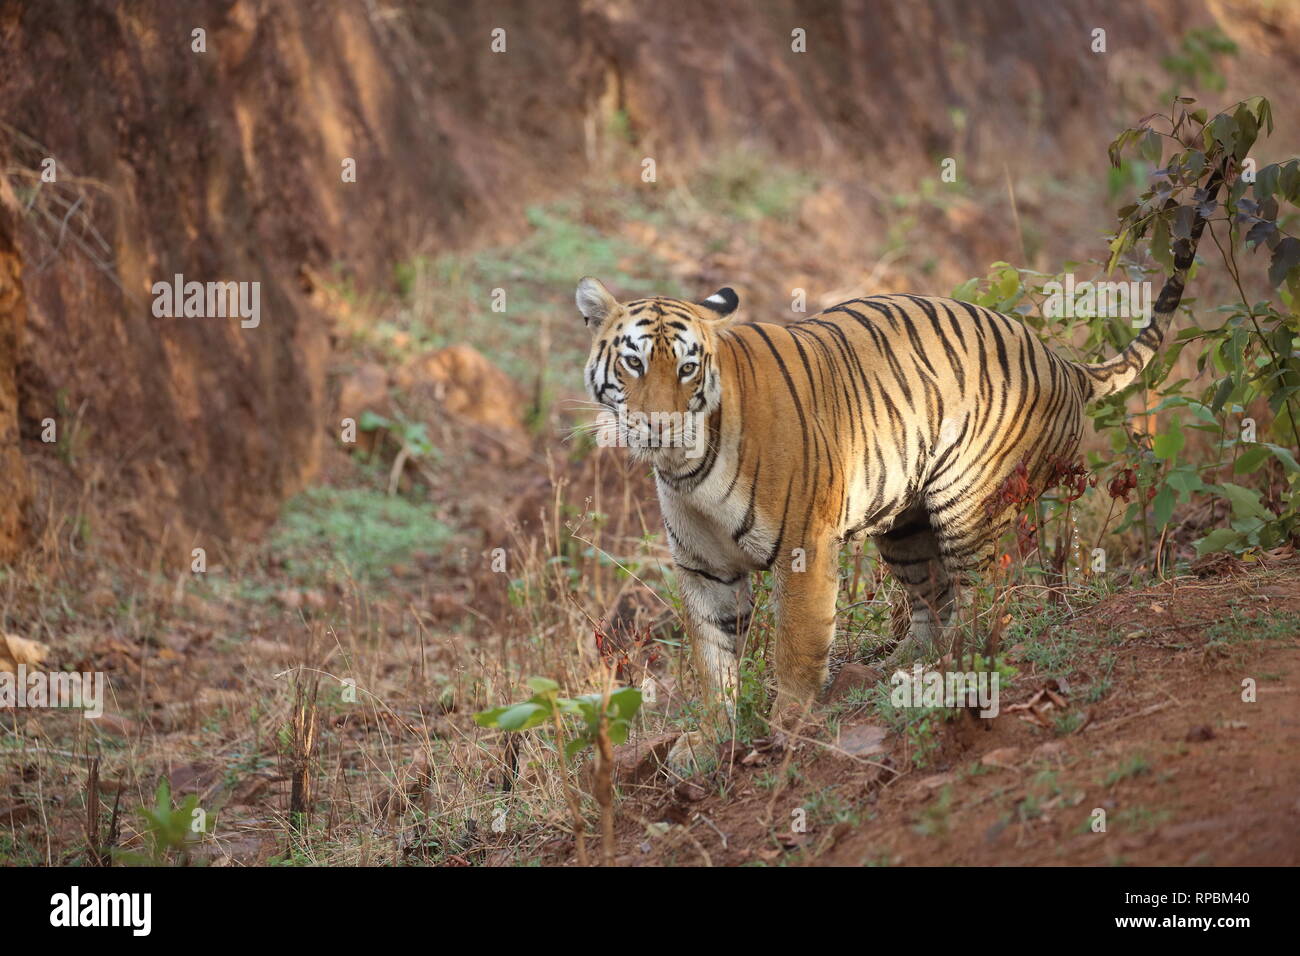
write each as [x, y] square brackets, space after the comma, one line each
[806, 585]
[718, 610]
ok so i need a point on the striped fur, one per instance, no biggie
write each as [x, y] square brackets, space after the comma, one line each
[896, 417]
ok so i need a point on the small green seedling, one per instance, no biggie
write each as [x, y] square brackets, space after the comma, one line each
[591, 723]
[547, 706]
[169, 832]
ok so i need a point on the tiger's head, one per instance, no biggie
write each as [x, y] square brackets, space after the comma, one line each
[652, 365]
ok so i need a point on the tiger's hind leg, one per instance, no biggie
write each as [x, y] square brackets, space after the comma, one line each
[912, 552]
[967, 543]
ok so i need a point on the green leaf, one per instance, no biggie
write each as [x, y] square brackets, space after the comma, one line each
[1184, 480]
[1162, 507]
[162, 797]
[1284, 455]
[542, 685]
[589, 707]
[567, 706]
[1167, 445]
[489, 718]
[1248, 130]
[1266, 181]
[1245, 501]
[1285, 257]
[1117, 247]
[1223, 130]
[618, 731]
[1151, 147]
[522, 716]
[371, 421]
[625, 702]
[1221, 394]
[966, 291]
[1116, 147]
[1251, 460]
[1220, 539]
[1249, 526]
[1008, 284]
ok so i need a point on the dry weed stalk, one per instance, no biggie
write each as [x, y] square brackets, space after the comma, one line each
[302, 746]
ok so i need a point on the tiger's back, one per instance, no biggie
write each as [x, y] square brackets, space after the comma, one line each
[892, 403]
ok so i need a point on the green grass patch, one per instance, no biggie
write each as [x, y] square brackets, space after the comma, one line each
[1241, 627]
[356, 531]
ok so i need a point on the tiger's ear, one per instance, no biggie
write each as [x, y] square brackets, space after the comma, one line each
[723, 302]
[594, 301]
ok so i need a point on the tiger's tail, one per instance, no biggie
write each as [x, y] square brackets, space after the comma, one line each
[1118, 373]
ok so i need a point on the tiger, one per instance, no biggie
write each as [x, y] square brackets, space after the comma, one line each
[894, 417]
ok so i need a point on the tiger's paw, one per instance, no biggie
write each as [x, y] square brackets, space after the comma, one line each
[691, 754]
[926, 647]
[913, 648]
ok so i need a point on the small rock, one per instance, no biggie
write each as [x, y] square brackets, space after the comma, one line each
[863, 740]
[1200, 732]
[936, 781]
[1004, 757]
[852, 677]
[1048, 748]
[641, 759]
[690, 792]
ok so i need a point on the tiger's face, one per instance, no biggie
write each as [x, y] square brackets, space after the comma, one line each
[652, 366]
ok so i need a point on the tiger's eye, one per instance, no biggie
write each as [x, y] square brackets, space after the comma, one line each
[687, 370]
